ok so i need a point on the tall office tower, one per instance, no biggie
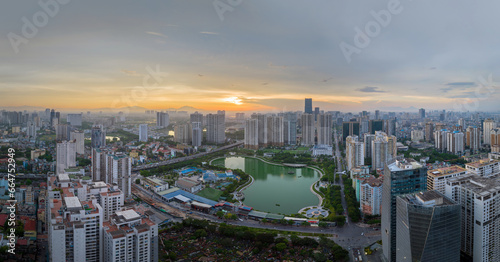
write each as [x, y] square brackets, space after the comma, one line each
[118, 171]
[197, 133]
[479, 198]
[429, 132]
[98, 136]
[375, 125]
[351, 128]
[143, 132]
[307, 129]
[473, 138]
[441, 140]
[79, 138]
[495, 137]
[74, 229]
[316, 113]
[99, 164]
[354, 152]
[183, 133]
[65, 155]
[275, 131]
[485, 167]
[216, 127]
[368, 138]
[455, 142]
[162, 119]
[370, 196]
[417, 135]
[52, 117]
[389, 126]
[428, 228]
[401, 176]
[383, 149]
[196, 117]
[377, 114]
[290, 128]
[252, 134]
[130, 236]
[324, 129]
[63, 132]
[436, 178]
[74, 119]
[262, 124]
[421, 113]
[308, 109]
[488, 125]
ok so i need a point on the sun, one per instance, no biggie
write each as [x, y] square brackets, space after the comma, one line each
[235, 100]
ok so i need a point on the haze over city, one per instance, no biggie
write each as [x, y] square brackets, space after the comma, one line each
[256, 56]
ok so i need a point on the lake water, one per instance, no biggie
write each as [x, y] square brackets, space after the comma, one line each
[288, 187]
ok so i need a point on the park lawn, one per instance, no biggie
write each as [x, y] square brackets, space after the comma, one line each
[210, 193]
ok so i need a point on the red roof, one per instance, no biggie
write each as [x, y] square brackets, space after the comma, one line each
[3, 218]
[30, 225]
[22, 242]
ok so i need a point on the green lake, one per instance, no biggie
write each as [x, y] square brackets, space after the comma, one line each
[288, 187]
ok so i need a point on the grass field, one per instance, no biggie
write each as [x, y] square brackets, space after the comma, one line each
[47, 138]
[210, 193]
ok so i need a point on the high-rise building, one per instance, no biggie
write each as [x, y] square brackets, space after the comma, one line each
[99, 164]
[375, 125]
[196, 117]
[252, 134]
[197, 133]
[143, 132]
[216, 127]
[74, 119]
[63, 132]
[183, 133]
[98, 136]
[488, 125]
[401, 176]
[428, 228]
[307, 129]
[130, 236]
[377, 114]
[262, 124]
[290, 128]
[383, 149]
[390, 127]
[275, 131]
[162, 119]
[351, 128]
[479, 198]
[495, 137]
[417, 135]
[324, 129]
[429, 132]
[370, 196]
[436, 178]
[308, 108]
[473, 138]
[484, 167]
[355, 154]
[119, 172]
[421, 113]
[441, 140]
[66, 155]
[368, 138]
[79, 138]
[455, 142]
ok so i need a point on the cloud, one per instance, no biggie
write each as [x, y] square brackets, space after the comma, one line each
[156, 34]
[130, 72]
[460, 84]
[370, 89]
[209, 33]
[457, 86]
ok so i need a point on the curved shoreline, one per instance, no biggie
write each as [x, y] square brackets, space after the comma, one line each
[321, 174]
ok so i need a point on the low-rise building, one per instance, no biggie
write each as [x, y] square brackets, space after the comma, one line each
[189, 185]
[436, 178]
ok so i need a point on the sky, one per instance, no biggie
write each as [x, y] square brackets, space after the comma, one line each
[251, 55]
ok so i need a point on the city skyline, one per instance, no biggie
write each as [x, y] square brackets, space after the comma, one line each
[259, 56]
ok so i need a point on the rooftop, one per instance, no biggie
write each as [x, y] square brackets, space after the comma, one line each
[72, 202]
[445, 171]
[128, 215]
[428, 198]
[403, 164]
[482, 163]
[482, 186]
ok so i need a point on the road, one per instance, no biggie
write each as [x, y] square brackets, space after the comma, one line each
[182, 159]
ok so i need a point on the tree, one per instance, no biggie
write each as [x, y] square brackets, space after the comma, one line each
[280, 246]
[200, 233]
[322, 224]
[138, 181]
[219, 213]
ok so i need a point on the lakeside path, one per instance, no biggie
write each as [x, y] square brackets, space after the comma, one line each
[321, 174]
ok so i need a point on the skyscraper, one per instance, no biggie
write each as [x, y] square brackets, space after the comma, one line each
[196, 117]
[355, 154]
[216, 127]
[79, 139]
[143, 132]
[308, 109]
[428, 228]
[197, 133]
[377, 114]
[307, 129]
[162, 119]
[63, 132]
[455, 142]
[290, 128]
[441, 140]
[183, 133]
[65, 155]
[375, 125]
[252, 134]
[488, 125]
[74, 119]
[421, 113]
[98, 136]
[262, 124]
[324, 129]
[383, 149]
[429, 132]
[479, 198]
[401, 176]
[275, 131]
[350, 129]
[118, 171]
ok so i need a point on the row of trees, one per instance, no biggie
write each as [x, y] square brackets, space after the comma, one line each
[350, 198]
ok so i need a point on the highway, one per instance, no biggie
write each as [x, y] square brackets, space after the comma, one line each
[181, 159]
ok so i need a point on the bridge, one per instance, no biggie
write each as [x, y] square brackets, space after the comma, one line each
[182, 159]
